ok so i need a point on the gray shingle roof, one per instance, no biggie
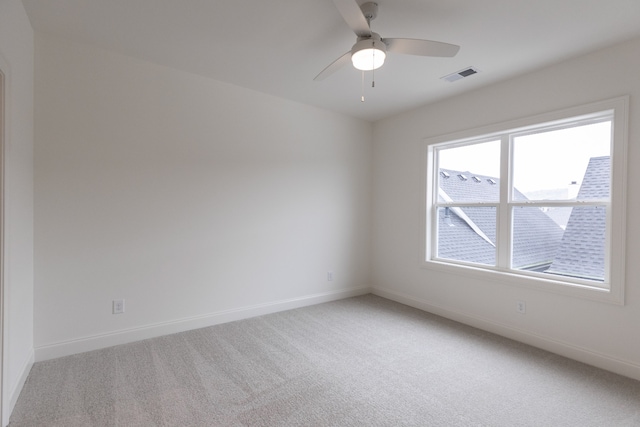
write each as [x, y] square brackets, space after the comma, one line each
[536, 236]
[469, 233]
[456, 238]
[458, 241]
[582, 250]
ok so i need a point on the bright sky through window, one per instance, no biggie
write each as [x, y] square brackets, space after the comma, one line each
[562, 154]
[549, 160]
[482, 159]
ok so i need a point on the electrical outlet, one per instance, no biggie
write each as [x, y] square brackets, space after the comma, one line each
[118, 306]
[329, 276]
[521, 307]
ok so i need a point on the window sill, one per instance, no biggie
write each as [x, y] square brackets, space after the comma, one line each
[560, 287]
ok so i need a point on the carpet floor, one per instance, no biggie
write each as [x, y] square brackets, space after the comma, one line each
[363, 361]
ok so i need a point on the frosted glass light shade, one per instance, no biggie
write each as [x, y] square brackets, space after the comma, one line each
[368, 55]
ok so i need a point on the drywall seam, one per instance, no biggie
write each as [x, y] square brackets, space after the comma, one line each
[581, 354]
[95, 342]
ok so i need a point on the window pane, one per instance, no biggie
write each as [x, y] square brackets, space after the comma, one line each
[556, 165]
[467, 234]
[561, 241]
[537, 234]
[470, 173]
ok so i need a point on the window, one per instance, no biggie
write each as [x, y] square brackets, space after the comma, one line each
[539, 202]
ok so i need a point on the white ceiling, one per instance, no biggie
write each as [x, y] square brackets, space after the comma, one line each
[279, 46]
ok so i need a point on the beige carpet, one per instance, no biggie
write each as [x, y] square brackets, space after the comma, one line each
[363, 361]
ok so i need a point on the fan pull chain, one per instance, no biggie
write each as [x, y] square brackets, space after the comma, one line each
[362, 88]
[373, 78]
[373, 62]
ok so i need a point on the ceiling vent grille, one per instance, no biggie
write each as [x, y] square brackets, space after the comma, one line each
[469, 71]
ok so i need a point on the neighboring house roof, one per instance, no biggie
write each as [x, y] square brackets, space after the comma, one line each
[456, 240]
[469, 233]
[582, 249]
[536, 236]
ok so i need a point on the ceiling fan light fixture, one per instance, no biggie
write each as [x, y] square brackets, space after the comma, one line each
[370, 50]
[368, 54]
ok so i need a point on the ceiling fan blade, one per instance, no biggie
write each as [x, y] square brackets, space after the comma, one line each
[353, 16]
[421, 47]
[333, 67]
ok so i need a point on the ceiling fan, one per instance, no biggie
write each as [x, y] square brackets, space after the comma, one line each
[370, 50]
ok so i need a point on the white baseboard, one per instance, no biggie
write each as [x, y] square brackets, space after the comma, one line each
[584, 355]
[95, 342]
[16, 388]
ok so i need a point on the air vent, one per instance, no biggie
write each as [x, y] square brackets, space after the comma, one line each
[476, 179]
[444, 174]
[469, 71]
[462, 177]
[491, 181]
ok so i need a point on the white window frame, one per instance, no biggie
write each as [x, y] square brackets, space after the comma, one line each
[612, 289]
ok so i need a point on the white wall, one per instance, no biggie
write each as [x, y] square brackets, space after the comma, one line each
[194, 200]
[599, 333]
[16, 63]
